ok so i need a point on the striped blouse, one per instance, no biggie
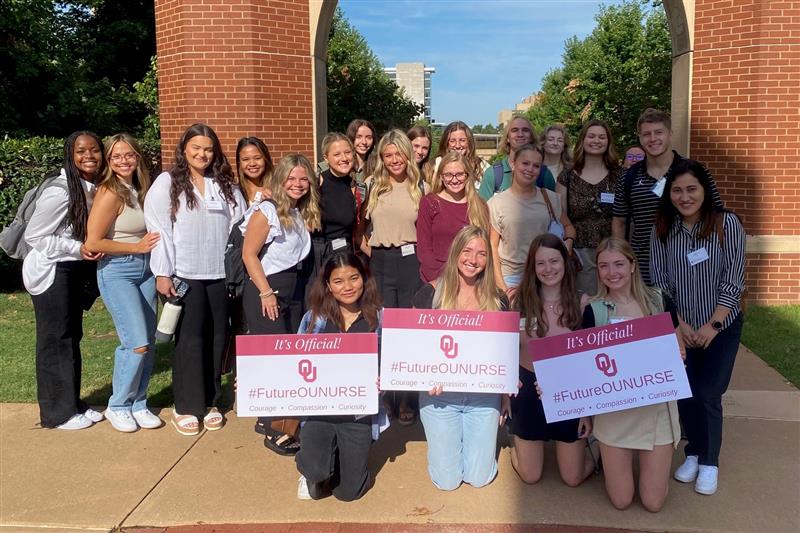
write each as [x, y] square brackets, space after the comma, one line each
[697, 289]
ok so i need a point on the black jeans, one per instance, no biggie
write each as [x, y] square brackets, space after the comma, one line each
[199, 347]
[285, 283]
[709, 372]
[397, 276]
[59, 329]
[336, 451]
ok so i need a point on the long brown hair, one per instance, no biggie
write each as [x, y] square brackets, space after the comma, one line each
[308, 205]
[529, 301]
[425, 167]
[471, 156]
[667, 213]
[269, 166]
[609, 156]
[324, 305]
[141, 176]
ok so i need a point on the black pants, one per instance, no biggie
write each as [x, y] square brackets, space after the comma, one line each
[285, 283]
[709, 372]
[397, 276]
[336, 452]
[59, 329]
[199, 347]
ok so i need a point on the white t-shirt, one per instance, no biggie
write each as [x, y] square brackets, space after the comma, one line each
[287, 245]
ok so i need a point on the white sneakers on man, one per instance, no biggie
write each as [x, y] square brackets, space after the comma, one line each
[122, 420]
[706, 480]
[146, 419]
[687, 472]
[78, 421]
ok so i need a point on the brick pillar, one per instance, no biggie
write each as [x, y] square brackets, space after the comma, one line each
[241, 66]
[745, 111]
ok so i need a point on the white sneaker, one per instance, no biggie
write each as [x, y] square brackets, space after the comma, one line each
[147, 420]
[302, 489]
[687, 472]
[78, 421]
[94, 416]
[706, 480]
[121, 420]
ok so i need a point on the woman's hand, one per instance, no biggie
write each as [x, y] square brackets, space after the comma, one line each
[147, 243]
[505, 408]
[705, 335]
[584, 427]
[688, 334]
[270, 307]
[538, 389]
[164, 286]
[437, 390]
[90, 256]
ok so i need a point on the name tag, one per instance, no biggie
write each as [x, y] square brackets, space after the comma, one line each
[407, 249]
[606, 197]
[338, 243]
[698, 256]
[214, 205]
[658, 188]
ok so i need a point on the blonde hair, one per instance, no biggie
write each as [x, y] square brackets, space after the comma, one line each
[141, 176]
[381, 182]
[447, 286]
[505, 145]
[477, 211]
[335, 137]
[649, 299]
[308, 205]
[566, 153]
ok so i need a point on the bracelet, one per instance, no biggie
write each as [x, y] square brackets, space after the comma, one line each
[267, 294]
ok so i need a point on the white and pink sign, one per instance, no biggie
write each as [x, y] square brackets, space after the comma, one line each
[609, 368]
[463, 351]
[307, 375]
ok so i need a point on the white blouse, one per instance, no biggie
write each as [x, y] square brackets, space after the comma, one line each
[193, 246]
[288, 245]
[50, 236]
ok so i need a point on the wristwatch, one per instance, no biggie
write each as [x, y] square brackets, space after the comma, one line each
[717, 325]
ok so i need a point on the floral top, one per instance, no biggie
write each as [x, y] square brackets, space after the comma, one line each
[589, 207]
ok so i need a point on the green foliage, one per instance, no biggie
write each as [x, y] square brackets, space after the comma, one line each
[146, 92]
[772, 333]
[357, 85]
[488, 128]
[621, 68]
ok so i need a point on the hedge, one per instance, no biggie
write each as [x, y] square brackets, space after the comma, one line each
[23, 164]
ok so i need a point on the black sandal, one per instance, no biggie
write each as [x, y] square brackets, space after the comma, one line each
[281, 443]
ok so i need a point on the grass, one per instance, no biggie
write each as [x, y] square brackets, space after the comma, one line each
[17, 356]
[773, 333]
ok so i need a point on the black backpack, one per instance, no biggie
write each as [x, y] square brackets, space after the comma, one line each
[235, 273]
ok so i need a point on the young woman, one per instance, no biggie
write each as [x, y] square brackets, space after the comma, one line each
[453, 204]
[254, 168]
[549, 305]
[556, 149]
[520, 214]
[458, 136]
[193, 207]
[282, 226]
[697, 258]
[633, 155]
[461, 428]
[587, 191]
[362, 134]
[116, 228]
[59, 272]
[421, 142]
[335, 449]
[653, 430]
[518, 132]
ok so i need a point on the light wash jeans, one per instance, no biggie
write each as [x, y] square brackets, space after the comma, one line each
[461, 430]
[128, 289]
[512, 280]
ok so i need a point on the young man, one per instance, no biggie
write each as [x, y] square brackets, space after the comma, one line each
[637, 194]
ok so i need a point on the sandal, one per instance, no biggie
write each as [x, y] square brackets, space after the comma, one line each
[281, 443]
[213, 420]
[185, 424]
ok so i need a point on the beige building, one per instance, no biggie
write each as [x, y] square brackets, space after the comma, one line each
[415, 79]
[505, 114]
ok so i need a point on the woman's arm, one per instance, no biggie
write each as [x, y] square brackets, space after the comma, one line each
[255, 237]
[106, 207]
[494, 238]
[425, 252]
[157, 217]
[48, 216]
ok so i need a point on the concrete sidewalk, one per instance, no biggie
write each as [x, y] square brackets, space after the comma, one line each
[99, 479]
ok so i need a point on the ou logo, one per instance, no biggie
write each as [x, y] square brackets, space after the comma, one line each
[605, 364]
[448, 346]
[307, 370]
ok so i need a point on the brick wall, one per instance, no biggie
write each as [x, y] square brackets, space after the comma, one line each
[241, 66]
[744, 125]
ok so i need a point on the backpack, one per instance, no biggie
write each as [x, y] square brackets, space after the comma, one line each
[497, 169]
[12, 238]
[235, 272]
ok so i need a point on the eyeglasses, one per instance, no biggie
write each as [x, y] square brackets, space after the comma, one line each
[126, 157]
[634, 157]
[454, 175]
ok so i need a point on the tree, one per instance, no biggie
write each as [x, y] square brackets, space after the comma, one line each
[357, 85]
[621, 68]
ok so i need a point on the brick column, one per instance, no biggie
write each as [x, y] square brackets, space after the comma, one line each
[745, 111]
[241, 66]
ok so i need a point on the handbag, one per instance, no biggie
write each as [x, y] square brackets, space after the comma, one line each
[556, 228]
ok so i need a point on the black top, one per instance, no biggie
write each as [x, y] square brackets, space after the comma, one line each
[338, 206]
[359, 325]
[423, 299]
[669, 307]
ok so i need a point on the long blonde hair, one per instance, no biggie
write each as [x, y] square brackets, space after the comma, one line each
[447, 285]
[308, 205]
[381, 182]
[141, 176]
[477, 211]
[649, 299]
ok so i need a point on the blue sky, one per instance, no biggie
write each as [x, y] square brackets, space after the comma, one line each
[488, 54]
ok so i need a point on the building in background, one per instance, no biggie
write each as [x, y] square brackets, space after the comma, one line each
[415, 79]
[505, 114]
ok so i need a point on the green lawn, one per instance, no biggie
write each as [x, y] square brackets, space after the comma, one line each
[773, 333]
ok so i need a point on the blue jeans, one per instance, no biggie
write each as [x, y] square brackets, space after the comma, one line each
[128, 289]
[461, 430]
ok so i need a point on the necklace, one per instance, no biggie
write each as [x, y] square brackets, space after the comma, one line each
[551, 304]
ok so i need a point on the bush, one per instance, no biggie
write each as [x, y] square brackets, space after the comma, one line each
[23, 165]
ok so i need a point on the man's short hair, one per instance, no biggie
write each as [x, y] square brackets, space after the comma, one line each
[653, 116]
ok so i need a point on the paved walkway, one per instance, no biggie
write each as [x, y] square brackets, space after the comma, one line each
[154, 481]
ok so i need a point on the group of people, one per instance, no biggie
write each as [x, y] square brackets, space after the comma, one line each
[569, 238]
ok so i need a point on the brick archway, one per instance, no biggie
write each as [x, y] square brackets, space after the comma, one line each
[257, 67]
